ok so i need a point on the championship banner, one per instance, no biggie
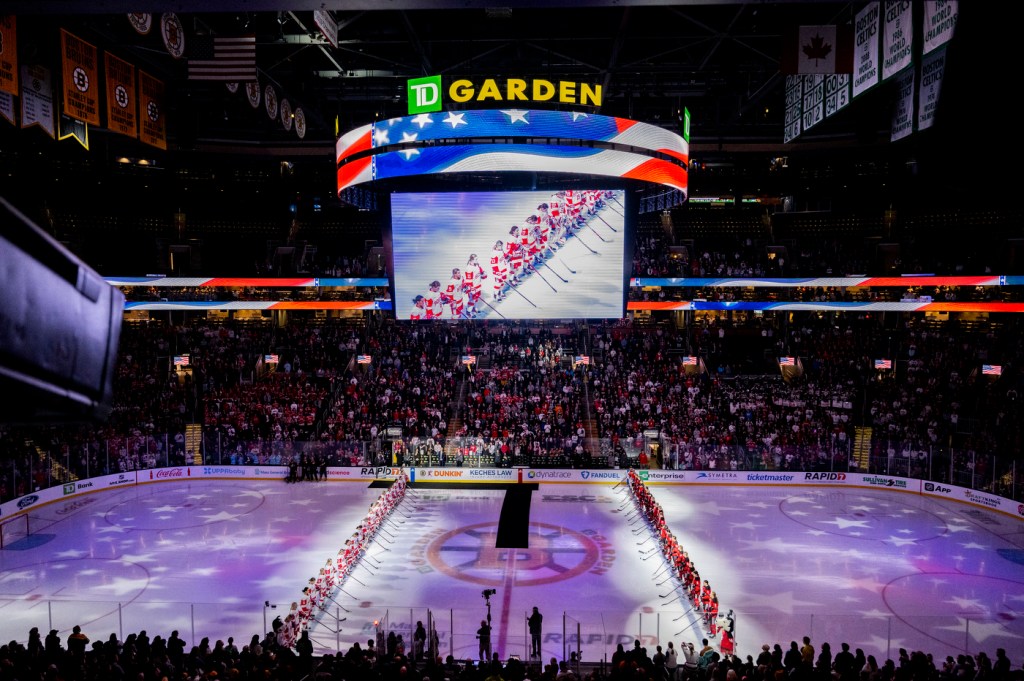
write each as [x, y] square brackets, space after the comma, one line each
[7, 106]
[866, 48]
[932, 68]
[327, 25]
[8, 54]
[940, 17]
[794, 101]
[153, 127]
[837, 93]
[37, 98]
[903, 114]
[814, 101]
[121, 99]
[81, 79]
[898, 37]
[72, 127]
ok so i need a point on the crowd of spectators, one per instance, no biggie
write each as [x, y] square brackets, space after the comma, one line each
[140, 658]
[527, 402]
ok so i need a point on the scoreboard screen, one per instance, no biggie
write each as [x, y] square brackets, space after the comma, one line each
[509, 255]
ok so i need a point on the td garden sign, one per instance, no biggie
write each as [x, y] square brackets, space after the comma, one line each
[428, 94]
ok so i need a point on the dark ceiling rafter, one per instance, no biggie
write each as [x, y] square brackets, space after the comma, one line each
[417, 44]
[613, 58]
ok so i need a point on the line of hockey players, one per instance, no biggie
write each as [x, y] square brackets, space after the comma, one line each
[318, 592]
[700, 594]
[527, 247]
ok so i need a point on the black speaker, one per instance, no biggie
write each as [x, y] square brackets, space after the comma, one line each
[60, 324]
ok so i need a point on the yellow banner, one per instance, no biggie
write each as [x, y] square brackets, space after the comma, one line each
[121, 98]
[81, 79]
[8, 54]
[153, 127]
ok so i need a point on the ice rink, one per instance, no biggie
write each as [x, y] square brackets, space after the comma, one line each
[878, 569]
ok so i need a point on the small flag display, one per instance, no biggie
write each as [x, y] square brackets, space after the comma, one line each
[582, 359]
[363, 359]
[689, 360]
[883, 364]
[271, 359]
[787, 361]
[469, 359]
[991, 370]
[182, 360]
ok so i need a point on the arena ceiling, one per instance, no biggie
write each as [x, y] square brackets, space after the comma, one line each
[718, 59]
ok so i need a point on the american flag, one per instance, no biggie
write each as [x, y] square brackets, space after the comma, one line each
[222, 58]
[181, 360]
[991, 369]
[363, 359]
[689, 360]
[271, 359]
[582, 359]
[787, 361]
[883, 364]
[469, 359]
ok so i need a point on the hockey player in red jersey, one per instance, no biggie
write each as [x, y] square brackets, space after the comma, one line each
[419, 308]
[432, 298]
[499, 269]
[454, 294]
[472, 276]
[514, 253]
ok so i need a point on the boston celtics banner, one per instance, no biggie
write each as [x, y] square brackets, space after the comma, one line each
[153, 127]
[81, 79]
[866, 47]
[932, 67]
[37, 98]
[794, 103]
[940, 17]
[837, 93]
[903, 111]
[8, 54]
[121, 104]
[897, 37]
[814, 101]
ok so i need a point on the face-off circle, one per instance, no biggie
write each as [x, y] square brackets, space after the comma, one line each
[555, 554]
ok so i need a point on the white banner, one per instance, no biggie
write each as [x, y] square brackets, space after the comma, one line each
[837, 93]
[7, 106]
[940, 17]
[903, 113]
[814, 101]
[932, 68]
[794, 102]
[898, 37]
[969, 496]
[866, 47]
[37, 99]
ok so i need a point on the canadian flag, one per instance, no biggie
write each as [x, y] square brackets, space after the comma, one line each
[818, 50]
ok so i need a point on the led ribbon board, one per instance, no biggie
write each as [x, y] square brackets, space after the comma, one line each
[502, 140]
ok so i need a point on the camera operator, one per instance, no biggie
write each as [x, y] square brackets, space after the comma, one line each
[484, 635]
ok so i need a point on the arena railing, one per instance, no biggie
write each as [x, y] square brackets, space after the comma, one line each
[55, 464]
[592, 633]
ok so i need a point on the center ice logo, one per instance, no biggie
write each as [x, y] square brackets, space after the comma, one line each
[554, 554]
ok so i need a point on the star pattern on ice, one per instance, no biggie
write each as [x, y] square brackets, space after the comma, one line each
[843, 523]
[223, 515]
[455, 119]
[899, 541]
[423, 120]
[70, 553]
[122, 586]
[516, 115]
[973, 545]
[965, 603]
[744, 526]
[166, 508]
[981, 631]
[139, 558]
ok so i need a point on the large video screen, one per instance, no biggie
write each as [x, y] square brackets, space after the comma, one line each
[509, 255]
